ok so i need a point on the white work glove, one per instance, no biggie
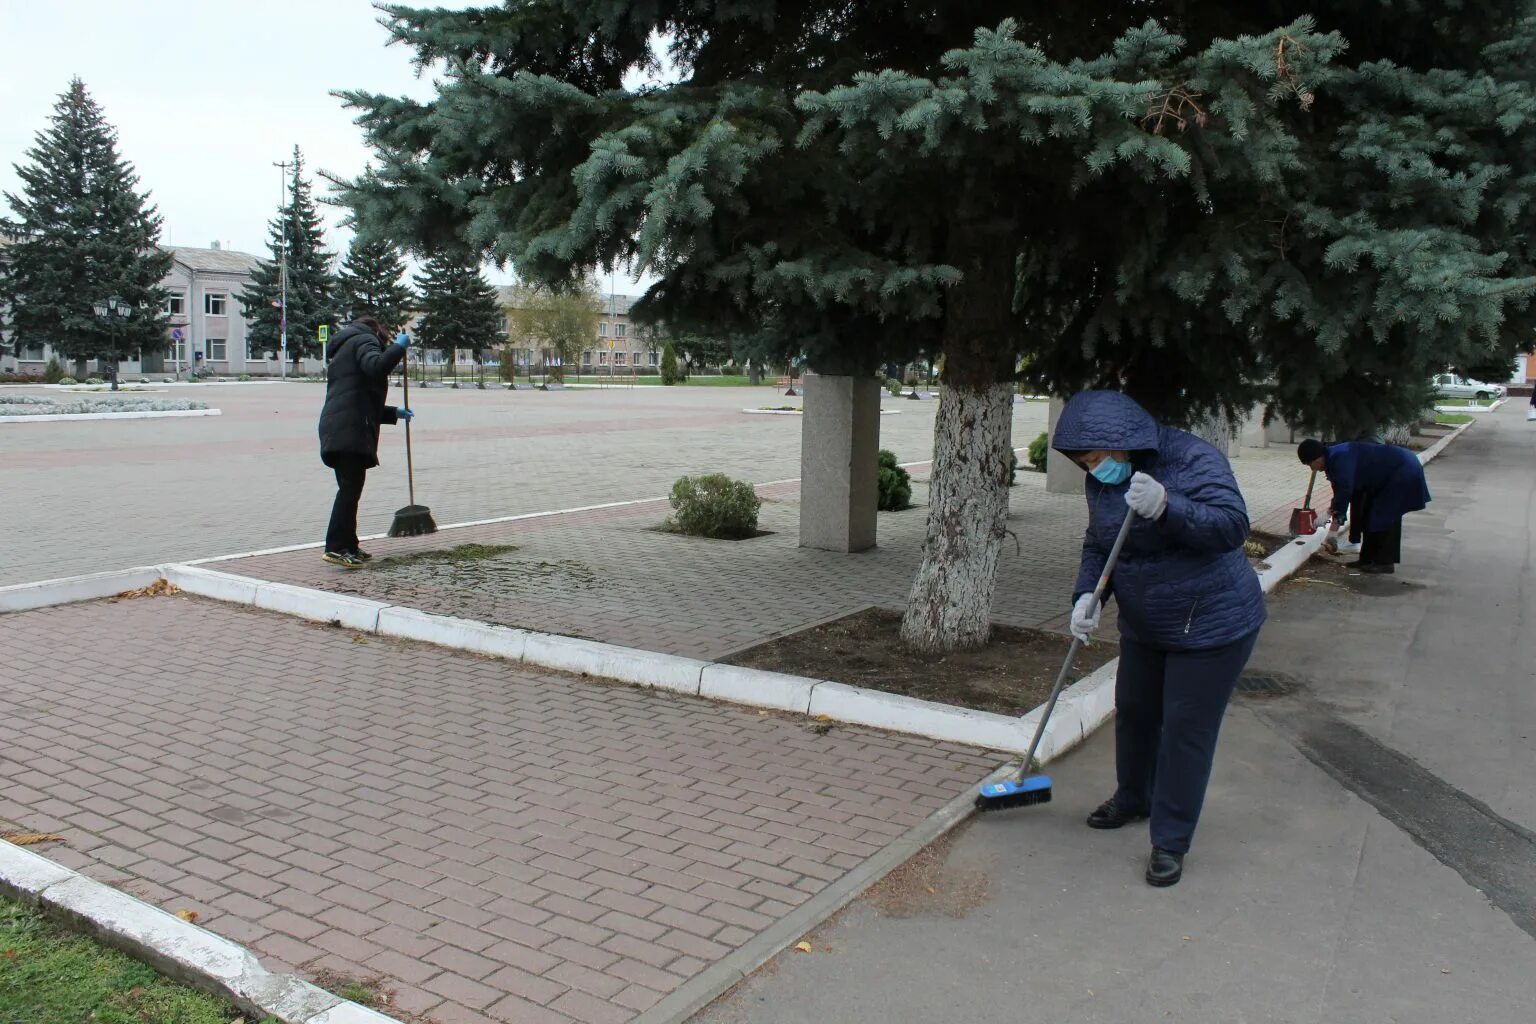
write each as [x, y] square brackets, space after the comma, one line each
[1148, 497]
[1085, 617]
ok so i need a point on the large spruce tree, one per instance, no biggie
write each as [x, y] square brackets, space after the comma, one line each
[84, 234]
[311, 284]
[1206, 204]
[458, 307]
[372, 283]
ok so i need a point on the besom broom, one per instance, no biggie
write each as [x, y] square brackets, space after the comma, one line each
[1025, 789]
[412, 520]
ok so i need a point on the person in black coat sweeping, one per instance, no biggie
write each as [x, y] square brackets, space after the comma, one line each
[1375, 485]
[358, 365]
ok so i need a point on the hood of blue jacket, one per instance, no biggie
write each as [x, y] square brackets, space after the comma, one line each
[1107, 420]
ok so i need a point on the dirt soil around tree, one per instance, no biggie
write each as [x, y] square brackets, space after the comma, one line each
[1010, 676]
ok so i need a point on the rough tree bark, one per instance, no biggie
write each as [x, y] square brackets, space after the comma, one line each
[950, 607]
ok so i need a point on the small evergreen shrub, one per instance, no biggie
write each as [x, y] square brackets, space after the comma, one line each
[67, 380]
[895, 484]
[1039, 450]
[715, 506]
[670, 374]
[1013, 468]
[53, 373]
[94, 380]
[894, 386]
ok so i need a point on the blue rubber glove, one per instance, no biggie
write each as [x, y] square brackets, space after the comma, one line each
[403, 340]
[405, 415]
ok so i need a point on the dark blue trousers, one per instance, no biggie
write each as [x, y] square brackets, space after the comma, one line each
[1168, 711]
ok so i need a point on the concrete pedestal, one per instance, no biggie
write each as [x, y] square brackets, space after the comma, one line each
[839, 463]
[1062, 476]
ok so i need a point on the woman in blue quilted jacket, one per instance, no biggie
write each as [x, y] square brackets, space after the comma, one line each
[1190, 608]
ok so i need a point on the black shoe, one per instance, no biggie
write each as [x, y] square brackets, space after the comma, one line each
[1378, 570]
[345, 559]
[361, 555]
[1111, 815]
[1164, 867]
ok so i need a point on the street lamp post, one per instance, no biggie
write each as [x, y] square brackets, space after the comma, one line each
[113, 311]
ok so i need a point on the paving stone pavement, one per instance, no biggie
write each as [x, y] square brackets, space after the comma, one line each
[608, 575]
[499, 844]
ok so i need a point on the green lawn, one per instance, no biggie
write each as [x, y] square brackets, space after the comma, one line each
[1452, 419]
[1463, 402]
[49, 975]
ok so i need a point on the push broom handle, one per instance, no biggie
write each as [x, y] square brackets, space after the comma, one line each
[1307, 503]
[405, 383]
[1077, 645]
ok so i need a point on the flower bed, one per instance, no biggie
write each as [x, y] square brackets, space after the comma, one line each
[31, 405]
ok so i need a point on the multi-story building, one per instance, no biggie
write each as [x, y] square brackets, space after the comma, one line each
[621, 347]
[208, 330]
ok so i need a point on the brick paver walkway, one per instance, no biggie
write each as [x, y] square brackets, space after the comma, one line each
[607, 575]
[497, 843]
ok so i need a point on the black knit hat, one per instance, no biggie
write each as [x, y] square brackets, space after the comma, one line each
[1310, 450]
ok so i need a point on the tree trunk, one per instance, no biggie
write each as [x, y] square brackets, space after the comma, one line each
[950, 607]
[1215, 429]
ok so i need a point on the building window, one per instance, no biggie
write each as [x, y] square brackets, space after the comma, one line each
[618, 358]
[254, 353]
[176, 303]
[214, 303]
[655, 357]
[602, 359]
[32, 353]
[618, 330]
[586, 357]
[602, 328]
[218, 351]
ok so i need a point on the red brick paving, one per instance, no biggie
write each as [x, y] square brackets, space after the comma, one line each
[503, 845]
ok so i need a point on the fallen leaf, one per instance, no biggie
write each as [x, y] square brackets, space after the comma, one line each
[823, 718]
[159, 588]
[358, 638]
[930, 890]
[30, 838]
[1445, 970]
[802, 947]
[189, 916]
[1188, 939]
[11, 954]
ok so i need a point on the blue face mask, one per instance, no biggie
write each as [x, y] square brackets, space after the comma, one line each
[1112, 471]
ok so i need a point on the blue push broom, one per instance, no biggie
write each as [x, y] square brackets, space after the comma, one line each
[1025, 789]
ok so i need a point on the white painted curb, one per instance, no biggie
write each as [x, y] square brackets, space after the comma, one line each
[318, 605]
[627, 665]
[924, 718]
[221, 586]
[46, 593]
[445, 631]
[84, 417]
[176, 948]
[757, 688]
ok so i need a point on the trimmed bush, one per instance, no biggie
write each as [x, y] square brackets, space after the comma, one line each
[895, 484]
[894, 386]
[67, 380]
[1039, 450]
[670, 374]
[53, 373]
[715, 506]
[94, 380]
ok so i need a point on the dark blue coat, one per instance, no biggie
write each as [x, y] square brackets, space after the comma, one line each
[1388, 479]
[1183, 582]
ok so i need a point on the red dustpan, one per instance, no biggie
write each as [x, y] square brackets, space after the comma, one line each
[1304, 519]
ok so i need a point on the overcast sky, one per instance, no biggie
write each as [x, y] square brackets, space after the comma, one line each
[206, 95]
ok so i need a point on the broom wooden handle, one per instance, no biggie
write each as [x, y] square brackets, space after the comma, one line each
[405, 383]
[1306, 504]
